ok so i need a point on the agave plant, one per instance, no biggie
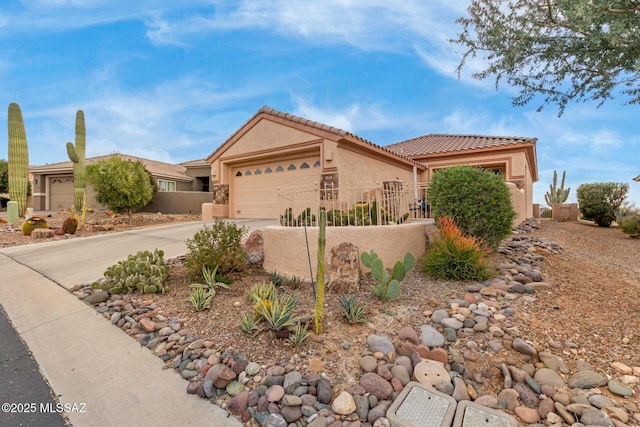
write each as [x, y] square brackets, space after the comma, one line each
[300, 335]
[353, 311]
[200, 298]
[248, 324]
[210, 283]
[278, 313]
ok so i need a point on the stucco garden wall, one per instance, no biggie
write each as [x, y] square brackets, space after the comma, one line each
[285, 249]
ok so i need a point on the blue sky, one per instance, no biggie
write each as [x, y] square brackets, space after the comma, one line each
[171, 82]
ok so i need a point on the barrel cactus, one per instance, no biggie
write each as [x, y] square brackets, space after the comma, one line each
[18, 163]
[32, 223]
[70, 225]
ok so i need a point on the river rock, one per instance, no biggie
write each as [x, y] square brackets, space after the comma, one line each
[586, 379]
[343, 404]
[523, 347]
[546, 376]
[409, 334]
[376, 385]
[616, 388]
[382, 344]
[431, 337]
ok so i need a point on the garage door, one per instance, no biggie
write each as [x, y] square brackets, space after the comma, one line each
[255, 186]
[61, 192]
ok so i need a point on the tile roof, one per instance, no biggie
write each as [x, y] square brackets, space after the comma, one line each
[334, 130]
[158, 169]
[438, 143]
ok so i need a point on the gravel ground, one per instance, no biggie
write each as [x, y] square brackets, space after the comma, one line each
[595, 303]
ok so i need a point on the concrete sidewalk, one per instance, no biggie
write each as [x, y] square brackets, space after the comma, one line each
[88, 361]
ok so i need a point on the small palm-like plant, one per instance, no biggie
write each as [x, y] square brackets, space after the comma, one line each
[353, 311]
[300, 334]
[200, 298]
[277, 313]
[210, 283]
[262, 291]
[248, 324]
[276, 278]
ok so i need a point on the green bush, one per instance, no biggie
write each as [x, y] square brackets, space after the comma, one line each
[599, 201]
[547, 213]
[478, 200]
[455, 256]
[631, 225]
[217, 245]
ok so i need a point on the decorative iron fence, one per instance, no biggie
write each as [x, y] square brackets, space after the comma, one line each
[392, 203]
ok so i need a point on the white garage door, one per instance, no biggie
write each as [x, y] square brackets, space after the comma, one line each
[255, 186]
[61, 192]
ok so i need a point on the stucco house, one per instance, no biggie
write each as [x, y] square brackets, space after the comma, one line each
[276, 152]
[182, 188]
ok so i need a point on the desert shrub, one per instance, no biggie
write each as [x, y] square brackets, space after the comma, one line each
[599, 201]
[631, 225]
[455, 256]
[547, 213]
[217, 245]
[476, 199]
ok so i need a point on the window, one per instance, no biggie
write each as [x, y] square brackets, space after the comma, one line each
[316, 164]
[268, 170]
[247, 172]
[258, 172]
[238, 173]
[304, 165]
[164, 185]
[279, 169]
[291, 167]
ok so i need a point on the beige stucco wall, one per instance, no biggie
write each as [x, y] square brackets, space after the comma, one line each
[285, 248]
[267, 135]
[358, 170]
[519, 203]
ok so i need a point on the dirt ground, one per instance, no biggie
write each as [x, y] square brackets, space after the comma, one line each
[595, 304]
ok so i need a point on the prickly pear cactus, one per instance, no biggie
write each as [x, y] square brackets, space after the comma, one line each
[145, 272]
[388, 284]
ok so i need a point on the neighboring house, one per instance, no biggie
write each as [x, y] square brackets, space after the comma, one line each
[275, 151]
[178, 184]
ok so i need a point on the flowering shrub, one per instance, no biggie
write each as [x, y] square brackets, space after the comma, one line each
[455, 256]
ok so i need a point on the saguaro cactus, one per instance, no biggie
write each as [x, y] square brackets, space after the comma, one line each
[18, 158]
[322, 242]
[555, 194]
[77, 156]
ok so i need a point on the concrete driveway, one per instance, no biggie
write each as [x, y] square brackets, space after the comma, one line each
[85, 359]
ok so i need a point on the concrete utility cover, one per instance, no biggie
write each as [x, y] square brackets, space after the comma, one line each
[418, 406]
[471, 414]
